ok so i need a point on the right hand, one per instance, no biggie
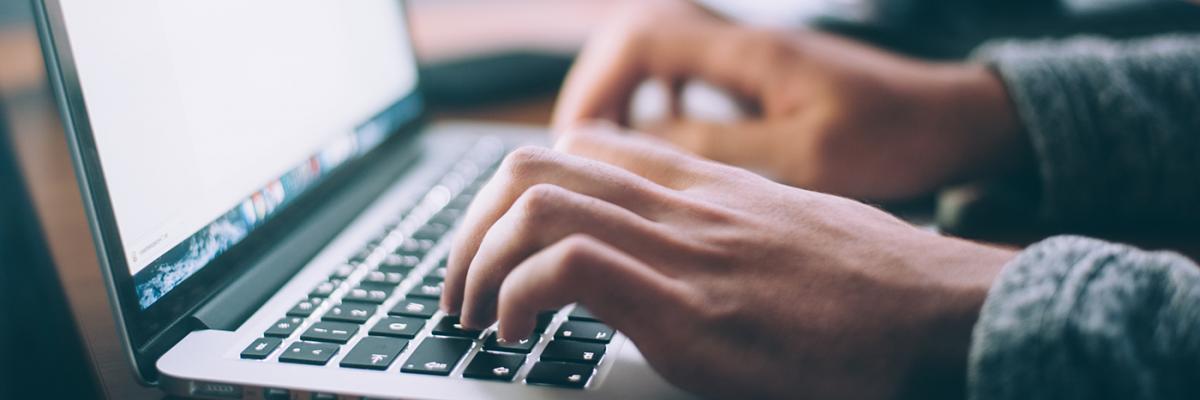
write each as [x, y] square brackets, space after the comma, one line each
[832, 114]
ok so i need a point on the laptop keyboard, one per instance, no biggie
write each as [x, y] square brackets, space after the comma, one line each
[379, 309]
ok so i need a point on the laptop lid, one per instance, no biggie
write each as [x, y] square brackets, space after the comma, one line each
[196, 126]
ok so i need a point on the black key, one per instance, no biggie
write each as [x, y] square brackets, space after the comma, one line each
[323, 290]
[382, 278]
[322, 396]
[374, 353]
[572, 351]
[342, 272]
[493, 366]
[559, 374]
[261, 348]
[309, 353]
[399, 263]
[284, 327]
[412, 247]
[450, 326]
[436, 356]
[439, 272]
[431, 231]
[428, 289]
[350, 312]
[544, 319]
[523, 346]
[325, 331]
[586, 331]
[401, 327]
[276, 394]
[419, 308]
[448, 216]
[364, 254]
[368, 294]
[582, 314]
[305, 307]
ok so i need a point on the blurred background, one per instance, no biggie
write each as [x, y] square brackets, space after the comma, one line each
[481, 59]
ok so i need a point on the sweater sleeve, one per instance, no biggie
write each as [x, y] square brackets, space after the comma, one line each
[1115, 125]
[1077, 318]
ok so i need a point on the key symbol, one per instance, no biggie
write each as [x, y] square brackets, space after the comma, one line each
[575, 378]
[316, 352]
[358, 313]
[500, 371]
[601, 335]
[435, 365]
[415, 307]
[587, 355]
[397, 326]
[377, 358]
[567, 333]
[260, 347]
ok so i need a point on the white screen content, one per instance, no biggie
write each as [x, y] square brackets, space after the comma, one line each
[195, 105]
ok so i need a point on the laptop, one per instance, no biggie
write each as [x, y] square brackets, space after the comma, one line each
[271, 211]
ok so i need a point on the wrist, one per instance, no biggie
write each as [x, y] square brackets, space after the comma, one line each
[980, 123]
[965, 272]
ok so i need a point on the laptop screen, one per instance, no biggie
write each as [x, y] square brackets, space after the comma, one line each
[209, 117]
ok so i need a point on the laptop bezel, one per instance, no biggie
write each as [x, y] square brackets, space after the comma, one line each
[147, 334]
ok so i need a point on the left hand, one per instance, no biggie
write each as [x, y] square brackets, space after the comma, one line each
[731, 285]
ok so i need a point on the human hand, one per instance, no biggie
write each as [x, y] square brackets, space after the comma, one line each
[827, 113]
[731, 285]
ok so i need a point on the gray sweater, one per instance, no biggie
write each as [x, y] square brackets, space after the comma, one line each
[1115, 127]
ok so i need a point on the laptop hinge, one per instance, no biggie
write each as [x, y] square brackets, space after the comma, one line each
[230, 307]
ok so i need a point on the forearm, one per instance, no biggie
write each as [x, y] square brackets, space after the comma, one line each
[1112, 125]
[1076, 318]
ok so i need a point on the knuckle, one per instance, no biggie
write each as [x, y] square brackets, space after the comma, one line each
[540, 203]
[572, 257]
[525, 161]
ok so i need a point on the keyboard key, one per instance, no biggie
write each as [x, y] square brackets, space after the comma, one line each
[325, 331]
[381, 278]
[368, 294]
[449, 326]
[308, 353]
[437, 356]
[559, 374]
[586, 331]
[399, 263]
[284, 327]
[572, 351]
[276, 394]
[401, 327]
[305, 307]
[322, 396]
[350, 312]
[493, 366]
[523, 346]
[428, 289]
[261, 348]
[431, 231]
[374, 353]
[419, 308]
[544, 319]
[323, 290]
[342, 272]
[439, 272]
[582, 314]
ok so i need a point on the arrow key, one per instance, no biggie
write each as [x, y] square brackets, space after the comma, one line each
[374, 353]
[494, 366]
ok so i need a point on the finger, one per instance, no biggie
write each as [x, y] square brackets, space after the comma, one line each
[545, 214]
[650, 157]
[621, 290]
[743, 143]
[525, 168]
[610, 67]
